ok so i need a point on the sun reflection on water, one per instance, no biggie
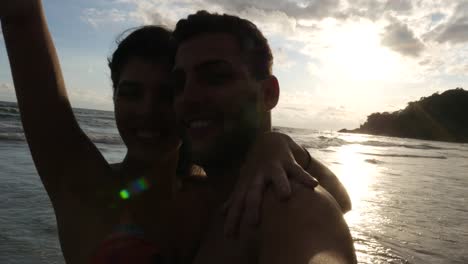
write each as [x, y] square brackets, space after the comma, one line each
[360, 176]
[357, 176]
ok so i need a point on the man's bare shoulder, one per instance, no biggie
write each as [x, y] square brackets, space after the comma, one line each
[307, 228]
[304, 202]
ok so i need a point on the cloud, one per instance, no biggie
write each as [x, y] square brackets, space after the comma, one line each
[99, 18]
[92, 99]
[329, 118]
[458, 70]
[166, 12]
[5, 87]
[282, 59]
[375, 10]
[7, 92]
[455, 29]
[270, 22]
[319, 10]
[399, 37]
[310, 110]
[298, 10]
[335, 118]
[399, 5]
[455, 33]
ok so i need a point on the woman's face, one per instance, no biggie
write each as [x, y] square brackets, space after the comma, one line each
[144, 111]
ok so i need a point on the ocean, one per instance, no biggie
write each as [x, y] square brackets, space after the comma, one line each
[409, 196]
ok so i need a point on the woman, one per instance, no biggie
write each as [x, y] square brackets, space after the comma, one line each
[93, 200]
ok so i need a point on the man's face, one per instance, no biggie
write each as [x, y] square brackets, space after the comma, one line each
[217, 98]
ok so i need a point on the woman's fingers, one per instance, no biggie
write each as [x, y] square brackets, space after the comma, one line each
[226, 206]
[297, 173]
[253, 200]
[234, 211]
[280, 181]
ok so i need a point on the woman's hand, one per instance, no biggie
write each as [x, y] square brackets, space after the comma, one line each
[270, 160]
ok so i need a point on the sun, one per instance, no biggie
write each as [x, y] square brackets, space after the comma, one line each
[354, 52]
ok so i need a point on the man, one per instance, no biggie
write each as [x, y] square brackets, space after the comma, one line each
[225, 92]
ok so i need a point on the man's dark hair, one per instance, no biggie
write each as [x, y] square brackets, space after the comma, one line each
[151, 43]
[251, 41]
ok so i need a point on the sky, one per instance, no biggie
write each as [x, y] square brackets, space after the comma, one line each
[337, 61]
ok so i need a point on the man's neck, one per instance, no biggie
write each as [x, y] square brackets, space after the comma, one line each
[224, 178]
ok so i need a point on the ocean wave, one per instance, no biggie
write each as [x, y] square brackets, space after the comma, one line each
[403, 155]
[105, 139]
[374, 143]
[289, 130]
[328, 150]
[12, 136]
[374, 161]
[10, 127]
[96, 138]
[95, 116]
[97, 123]
[325, 142]
[9, 116]
[9, 113]
[9, 110]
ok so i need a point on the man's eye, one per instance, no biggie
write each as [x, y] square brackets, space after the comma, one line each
[217, 78]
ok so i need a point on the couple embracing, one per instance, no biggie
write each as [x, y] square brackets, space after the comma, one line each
[206, 179]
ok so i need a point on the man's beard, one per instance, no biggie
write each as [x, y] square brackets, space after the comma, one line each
[229, 148]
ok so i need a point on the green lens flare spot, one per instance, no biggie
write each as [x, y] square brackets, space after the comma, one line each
[143, 184]
[124, 194]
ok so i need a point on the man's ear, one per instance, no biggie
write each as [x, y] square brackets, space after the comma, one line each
[271, 92]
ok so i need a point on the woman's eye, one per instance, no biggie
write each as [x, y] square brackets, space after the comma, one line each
[130, 93]
[178, 85]
[166, 93]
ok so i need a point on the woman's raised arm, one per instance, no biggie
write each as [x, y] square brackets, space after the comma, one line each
[66, 160]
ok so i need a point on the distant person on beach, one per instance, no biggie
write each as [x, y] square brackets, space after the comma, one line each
[142, 195]
[224, 94]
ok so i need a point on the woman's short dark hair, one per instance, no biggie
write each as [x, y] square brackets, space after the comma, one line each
[151, 43]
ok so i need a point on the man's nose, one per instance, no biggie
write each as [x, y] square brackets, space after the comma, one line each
[193, 93]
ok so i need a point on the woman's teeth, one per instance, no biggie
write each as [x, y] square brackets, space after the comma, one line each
[200, 123]
[147, 134]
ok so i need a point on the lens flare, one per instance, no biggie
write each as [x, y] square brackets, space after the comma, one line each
[124, 194]
[138, 186]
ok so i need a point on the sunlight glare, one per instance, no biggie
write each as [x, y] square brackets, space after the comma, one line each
[356, 176]
[354, 52]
